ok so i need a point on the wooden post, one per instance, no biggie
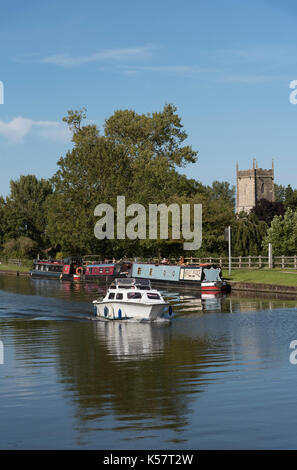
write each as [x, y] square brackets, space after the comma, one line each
[295, 262]
[283, 262]
[249, 262]
[239, 262]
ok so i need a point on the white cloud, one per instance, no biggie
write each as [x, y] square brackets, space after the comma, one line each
[16, 129]
[160, 68]
[249, 79]
[120, 54]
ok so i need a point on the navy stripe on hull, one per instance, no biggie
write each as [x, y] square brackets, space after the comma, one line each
[48, 274]
[185, 285]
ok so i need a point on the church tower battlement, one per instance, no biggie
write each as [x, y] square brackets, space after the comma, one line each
[253, 185]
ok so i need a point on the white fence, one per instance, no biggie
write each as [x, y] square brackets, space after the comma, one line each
[237, 262]
[250, 262]
[17, 262]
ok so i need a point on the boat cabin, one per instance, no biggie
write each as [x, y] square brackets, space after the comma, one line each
[102, 270]
[130, 289]
[47, 268]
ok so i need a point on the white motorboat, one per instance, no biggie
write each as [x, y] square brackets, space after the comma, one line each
[130, 298]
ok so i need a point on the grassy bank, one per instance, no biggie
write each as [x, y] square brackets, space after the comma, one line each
[265, 276]
[14, 267]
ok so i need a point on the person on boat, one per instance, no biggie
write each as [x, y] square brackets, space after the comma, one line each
[181, 261]
[164, 261]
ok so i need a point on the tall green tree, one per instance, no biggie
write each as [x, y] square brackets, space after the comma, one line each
[154, 144]
[279, 193]
[283, 234]
[94, 172]
[222, 190]
[291, 198]
[248, 233]
[2, 219]
[267, 210]
[137, 157]
[24, 209]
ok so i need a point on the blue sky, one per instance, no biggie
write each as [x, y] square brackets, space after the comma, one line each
[225, 64]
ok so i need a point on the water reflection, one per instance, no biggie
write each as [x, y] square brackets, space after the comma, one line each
[131, 341]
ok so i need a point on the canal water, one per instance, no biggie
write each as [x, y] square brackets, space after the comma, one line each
[218, 376]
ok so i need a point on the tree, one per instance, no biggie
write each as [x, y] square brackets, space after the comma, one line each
[24, 209]
[216, 215]
[2, 219]
[94, 172]
[158, 134]
[223, 191]
[267, 210]
[291, 198]
[248, 234]
[137, 157]
[283, 234]
[279, 193]
[22, 247]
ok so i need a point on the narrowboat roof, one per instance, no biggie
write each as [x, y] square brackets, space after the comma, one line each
[38, 261]
[101, 265]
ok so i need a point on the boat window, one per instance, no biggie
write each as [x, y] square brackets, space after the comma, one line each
[134, 295]
[111, 295]
[139, 271]
[150, 295]
[119, 296]
[151, 271]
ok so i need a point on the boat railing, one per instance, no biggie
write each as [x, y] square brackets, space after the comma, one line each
[48, 261]
[128, 282]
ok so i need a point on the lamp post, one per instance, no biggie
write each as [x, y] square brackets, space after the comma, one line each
[228, 239]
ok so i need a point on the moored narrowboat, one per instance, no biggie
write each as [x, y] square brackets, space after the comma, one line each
[72, 268]
[206, 277]
[47, 268]
[106, 271]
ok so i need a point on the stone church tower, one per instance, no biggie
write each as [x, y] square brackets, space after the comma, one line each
[253, 185]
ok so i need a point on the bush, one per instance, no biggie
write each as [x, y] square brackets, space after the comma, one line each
[22, 247]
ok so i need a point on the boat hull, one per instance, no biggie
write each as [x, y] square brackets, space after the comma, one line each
[213, 286]
[45, 274]
[129, 310]
[190, 285]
